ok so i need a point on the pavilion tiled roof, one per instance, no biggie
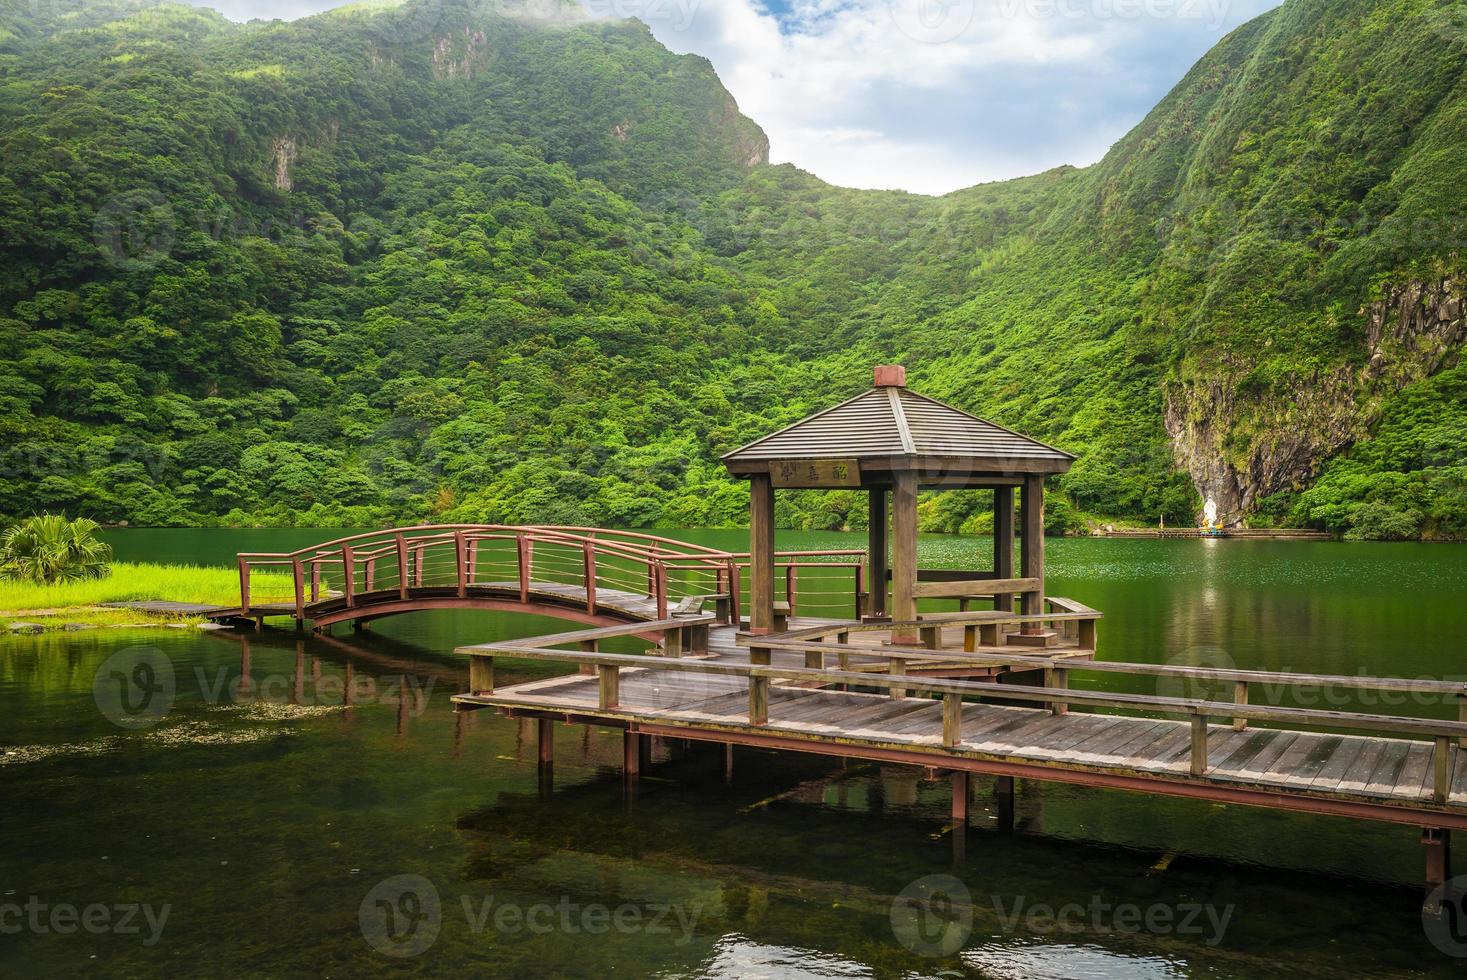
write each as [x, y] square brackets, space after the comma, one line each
[893, 421]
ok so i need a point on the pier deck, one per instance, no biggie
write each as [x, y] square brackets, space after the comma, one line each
[778, 692]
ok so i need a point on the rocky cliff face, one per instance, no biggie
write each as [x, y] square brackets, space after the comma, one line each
[1239, 446]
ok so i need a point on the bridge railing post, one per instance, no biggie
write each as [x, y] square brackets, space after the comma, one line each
[298, 572]
[244, 587]
[1199, 745]
[735, 614]
[659, 577]
[349, 575]
[460, 556]
[524, 556]
[315, 579]
[402, 566]
[588, 562]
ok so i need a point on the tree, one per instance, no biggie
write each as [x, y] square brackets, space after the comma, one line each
[49, 549]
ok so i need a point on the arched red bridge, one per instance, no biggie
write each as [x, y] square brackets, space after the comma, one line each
[586, 575]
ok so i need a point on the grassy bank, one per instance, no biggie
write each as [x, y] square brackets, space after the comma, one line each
[53, 606]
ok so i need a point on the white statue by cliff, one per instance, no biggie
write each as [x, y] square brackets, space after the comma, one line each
[1209, 513]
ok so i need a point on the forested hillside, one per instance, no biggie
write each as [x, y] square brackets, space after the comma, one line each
[463, 260]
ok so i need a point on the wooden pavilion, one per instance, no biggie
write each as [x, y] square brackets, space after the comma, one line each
[893, 442]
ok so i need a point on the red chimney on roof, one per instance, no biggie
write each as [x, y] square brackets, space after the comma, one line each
[890, 376]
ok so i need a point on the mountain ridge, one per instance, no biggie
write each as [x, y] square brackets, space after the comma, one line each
[334, 248]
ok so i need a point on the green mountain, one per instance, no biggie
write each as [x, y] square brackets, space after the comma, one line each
[460, 260]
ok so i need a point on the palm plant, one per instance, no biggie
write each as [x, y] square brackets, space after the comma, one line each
[49, 548]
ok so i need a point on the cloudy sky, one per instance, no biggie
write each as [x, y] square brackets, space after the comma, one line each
[926, 95]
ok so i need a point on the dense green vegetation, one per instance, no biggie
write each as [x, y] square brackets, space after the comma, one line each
[48, 548]
[448, 261]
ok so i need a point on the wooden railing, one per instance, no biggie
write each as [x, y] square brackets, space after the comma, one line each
[458, 558]
[1055, 693]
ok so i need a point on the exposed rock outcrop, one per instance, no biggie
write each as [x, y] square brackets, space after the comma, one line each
[1240, 446]
[282, 158]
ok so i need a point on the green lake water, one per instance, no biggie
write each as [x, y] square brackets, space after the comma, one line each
[270, 823]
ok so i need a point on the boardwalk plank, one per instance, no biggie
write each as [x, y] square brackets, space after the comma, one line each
[1383, 780]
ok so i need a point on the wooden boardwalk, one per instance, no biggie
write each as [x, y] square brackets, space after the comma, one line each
[1022, 720]
[1316, 764]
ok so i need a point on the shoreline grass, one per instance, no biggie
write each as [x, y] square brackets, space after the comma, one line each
[52, 606]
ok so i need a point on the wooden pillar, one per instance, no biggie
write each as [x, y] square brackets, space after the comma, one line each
[1438, 843]
[1032, 555]
[761, 554]
[904, 554]
[1003, 541]
[631, 755]
[1003, 795]
[960, 799]
[876, 553]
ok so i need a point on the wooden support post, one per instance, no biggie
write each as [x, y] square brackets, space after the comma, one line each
[1438, 843]
[790, 576]
[523, 557]
[876, 553]
[588, 646]
[473, 568]
[588, 570]
[349, 575]
[1057, 677]
[1240, 696]
[988, 634]
[758, 700]
[1085, 634]
[1003, 797]
[402, 567]
[931, 637]
[672, 642]
[970, 636]
[728, 762]
[298, 573]
[960, 799]
[481, 674]
[761, 554]
[609, 692]
[545, 733]
[1032, 553]
[631, 754]
[897, 667]
[460, 563]
[244, 588]
[760, 655]
[697, 638]
[1462, 715]
[952, 720]
[1441, 762]
[904, 554]
[1199, 745]
[315, 580]
[1003, 541]
[815, 660]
